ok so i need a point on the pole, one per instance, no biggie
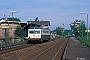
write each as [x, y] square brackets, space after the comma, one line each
[82, 30]
[87, 26]
[12, 12]
[82, 27]
[87, 23]
[63, 29]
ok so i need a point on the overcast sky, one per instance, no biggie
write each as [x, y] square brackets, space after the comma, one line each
[56, 11]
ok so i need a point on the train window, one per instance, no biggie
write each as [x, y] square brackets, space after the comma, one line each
[31, 32]
[45, 31]
[34, 32]
[37, 32]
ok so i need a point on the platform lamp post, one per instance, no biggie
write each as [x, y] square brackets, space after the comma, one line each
[87, 21]
[82, 28]
[12, 12]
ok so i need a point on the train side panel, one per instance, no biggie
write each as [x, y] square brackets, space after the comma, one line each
[45, 35]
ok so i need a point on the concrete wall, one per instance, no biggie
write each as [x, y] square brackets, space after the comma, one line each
[11, 27]
[0, 32]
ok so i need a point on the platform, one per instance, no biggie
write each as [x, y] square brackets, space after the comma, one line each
[76, 50]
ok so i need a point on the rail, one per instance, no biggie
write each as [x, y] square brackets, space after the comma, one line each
[60, 51]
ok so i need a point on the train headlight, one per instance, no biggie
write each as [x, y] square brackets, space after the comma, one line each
[33, 35]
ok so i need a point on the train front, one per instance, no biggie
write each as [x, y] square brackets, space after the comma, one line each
[34, 34]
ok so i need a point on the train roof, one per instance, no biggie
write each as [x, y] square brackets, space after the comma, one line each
[37, 27]
[45, 28]
[45, 23]
[34, 27]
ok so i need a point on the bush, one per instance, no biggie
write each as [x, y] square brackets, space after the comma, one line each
[85, 41]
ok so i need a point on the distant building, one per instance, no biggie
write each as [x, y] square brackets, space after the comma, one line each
[8, 26]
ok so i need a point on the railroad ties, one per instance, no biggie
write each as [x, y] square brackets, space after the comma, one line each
[52, 50]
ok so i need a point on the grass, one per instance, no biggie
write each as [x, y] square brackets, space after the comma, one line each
[85, 41]
[11, 42]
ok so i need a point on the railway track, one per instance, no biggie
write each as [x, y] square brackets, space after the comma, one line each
[49, 50]
[53, 51]
[10, 45]
[11, 49]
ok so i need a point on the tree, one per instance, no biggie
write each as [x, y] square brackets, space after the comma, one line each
[66, 32]
[78, 28]
[36, 19]
[14, 19]
[59, 30]
[19, 32]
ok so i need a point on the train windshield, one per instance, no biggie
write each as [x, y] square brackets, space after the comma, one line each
[34, 32]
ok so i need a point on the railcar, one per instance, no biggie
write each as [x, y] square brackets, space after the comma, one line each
[45, 34]
[38, 34]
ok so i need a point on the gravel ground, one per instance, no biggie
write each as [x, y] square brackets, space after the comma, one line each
[22, 53]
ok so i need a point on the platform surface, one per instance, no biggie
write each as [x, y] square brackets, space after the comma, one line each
[76, 50]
